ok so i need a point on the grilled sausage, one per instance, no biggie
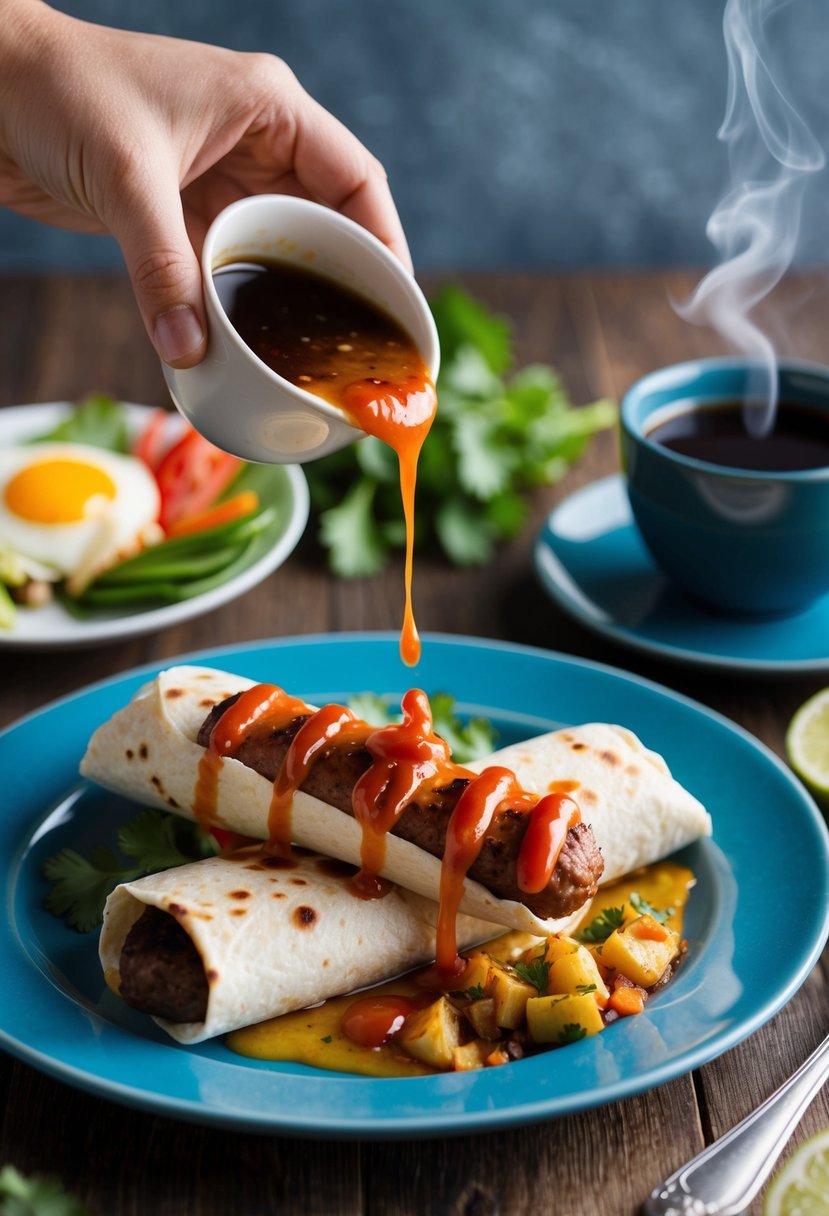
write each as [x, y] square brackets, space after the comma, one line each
[161, 970]
[332, 779]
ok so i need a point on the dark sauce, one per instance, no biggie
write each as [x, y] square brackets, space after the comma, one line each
[313, 332]
[718, 434]
[339, 346]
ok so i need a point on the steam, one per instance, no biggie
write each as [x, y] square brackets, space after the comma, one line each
[756, 226]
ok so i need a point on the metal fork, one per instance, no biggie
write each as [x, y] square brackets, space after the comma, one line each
[723, 1179]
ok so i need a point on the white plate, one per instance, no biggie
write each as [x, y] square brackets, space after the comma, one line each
[52, 628]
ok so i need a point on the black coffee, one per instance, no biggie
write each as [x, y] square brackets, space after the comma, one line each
[718, 434]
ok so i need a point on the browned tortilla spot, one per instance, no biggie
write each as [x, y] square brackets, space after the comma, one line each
[277, 894]
[609, 757]
[326, 961]
[177, 911]
[238, 911]
[143, 751]
[130, 753]
[577, 746]
[632, 770]
[172, 802]
[241, 894]
[563, 787]
[588, 796]
[207, 703]
[303, 916]
[172, 693]
[203, 915]
[156, 781]
[298, 882]
[212, 976]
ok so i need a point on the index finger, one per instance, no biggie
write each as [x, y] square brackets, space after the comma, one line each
[335, 168]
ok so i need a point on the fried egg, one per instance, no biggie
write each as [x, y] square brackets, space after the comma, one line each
[78, 509]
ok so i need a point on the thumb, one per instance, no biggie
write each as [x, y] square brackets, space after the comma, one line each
[165, 274]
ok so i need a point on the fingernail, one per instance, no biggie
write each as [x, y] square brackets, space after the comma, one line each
[177, 333]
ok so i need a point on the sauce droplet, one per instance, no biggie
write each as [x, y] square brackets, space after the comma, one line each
[373, 1020]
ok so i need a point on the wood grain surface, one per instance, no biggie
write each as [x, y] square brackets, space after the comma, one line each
[61, 337]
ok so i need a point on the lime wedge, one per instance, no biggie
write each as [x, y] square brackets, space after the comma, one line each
[807, 745]
[801, 1187]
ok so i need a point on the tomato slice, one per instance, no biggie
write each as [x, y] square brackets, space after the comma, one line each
[152, 442]
[191, 476]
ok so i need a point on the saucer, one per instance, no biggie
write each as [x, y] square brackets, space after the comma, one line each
[593, 563]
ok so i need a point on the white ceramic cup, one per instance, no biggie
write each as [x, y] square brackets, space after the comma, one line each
[232, 397]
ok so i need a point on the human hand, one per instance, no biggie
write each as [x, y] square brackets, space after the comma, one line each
[148, 138]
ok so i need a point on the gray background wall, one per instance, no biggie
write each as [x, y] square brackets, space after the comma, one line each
[515, 132]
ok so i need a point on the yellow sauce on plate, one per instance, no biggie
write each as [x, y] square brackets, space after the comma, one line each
[315, 1036]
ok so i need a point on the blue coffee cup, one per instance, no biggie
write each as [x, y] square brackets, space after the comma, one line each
[742, 541]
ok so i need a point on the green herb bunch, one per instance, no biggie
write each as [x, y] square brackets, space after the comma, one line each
[497, 434]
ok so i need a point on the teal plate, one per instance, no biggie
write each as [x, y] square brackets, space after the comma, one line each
[750, 944]
[594, 564]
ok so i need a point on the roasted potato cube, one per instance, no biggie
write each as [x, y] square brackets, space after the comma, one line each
[559, 946]
[431, 1034]
[476, 974]
[471, 1055]
[510, 994]
[482, 1016]
[641, 959]
[577, 972]
[563, 1019]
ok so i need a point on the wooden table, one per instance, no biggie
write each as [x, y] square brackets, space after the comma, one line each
[63, 336]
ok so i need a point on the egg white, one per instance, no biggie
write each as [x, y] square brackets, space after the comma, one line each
[112, 528]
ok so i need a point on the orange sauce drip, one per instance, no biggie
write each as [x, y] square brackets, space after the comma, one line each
[400, 414]
[332, 722]
[465, 833]
[407, 758]
[259, 707]
[543, 840]
[372, 1020]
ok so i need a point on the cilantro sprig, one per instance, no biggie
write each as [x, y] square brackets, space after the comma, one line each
[37, 1195]
[642, 908]
[497, 433]
[468, 740]
[600, 927]
[535, 972]
[152, 841]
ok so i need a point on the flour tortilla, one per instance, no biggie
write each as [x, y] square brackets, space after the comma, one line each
[275, 940]
[638, 812]
[148, 752]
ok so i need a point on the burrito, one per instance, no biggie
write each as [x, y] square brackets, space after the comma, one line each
[229, 941]
[161, 750]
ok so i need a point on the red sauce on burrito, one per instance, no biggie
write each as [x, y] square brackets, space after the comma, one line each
[408, 761]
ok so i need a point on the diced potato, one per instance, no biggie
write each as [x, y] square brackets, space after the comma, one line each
[563, 1019]
[476, 974]
[482, 1016]
[431, 1034]
[471, 1055]
[575, 972]
[559, 946]
[510, 994]
[642, 960]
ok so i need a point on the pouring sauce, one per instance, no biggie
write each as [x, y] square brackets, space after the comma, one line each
[344, 349]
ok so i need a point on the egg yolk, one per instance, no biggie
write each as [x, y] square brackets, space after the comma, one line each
[56, 491]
